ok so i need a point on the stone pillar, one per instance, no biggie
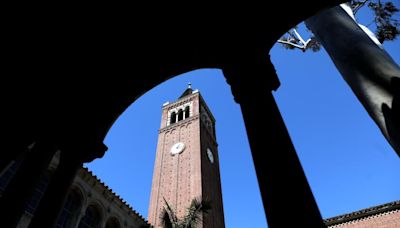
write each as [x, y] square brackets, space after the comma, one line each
[52, 202]
[287, 197]
[80, 216]
[6, 157]
[103, 221]
[21, 188]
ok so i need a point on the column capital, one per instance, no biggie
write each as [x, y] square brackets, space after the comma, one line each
[83, 151]
[250, 79]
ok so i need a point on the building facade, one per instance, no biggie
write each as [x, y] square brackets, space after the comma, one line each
[89, 204]
[186, 167]
[187, 162]
[382, 216]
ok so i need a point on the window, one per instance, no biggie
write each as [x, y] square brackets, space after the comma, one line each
[173, 118]
[187, 112]
[91, 219]
[70, 210]
[9, 174]
[180, 115]
[113, 223]
[39, 191]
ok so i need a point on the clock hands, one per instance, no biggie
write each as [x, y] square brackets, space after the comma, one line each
[177, 148]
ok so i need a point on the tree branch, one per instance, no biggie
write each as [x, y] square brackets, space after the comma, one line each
[299, 37]
[302, 47]
[358, 6]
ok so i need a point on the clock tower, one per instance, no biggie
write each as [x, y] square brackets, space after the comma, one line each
[187, 164]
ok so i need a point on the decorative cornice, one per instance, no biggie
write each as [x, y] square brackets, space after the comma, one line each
[180, 102]
[207, 109]
[364, 214]
[182, 122]
[131, 211]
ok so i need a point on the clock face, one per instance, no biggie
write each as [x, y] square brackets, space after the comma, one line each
[177, 148]
[210, 155]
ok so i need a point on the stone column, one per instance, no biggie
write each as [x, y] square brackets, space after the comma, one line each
[52, 202]
[6, 157]
[21, 188]
[287, 197]
[103, 221]
[80, 216]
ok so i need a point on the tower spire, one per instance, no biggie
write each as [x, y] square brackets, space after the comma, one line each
[188, 91]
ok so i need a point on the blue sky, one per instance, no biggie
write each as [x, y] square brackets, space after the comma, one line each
[347, 161]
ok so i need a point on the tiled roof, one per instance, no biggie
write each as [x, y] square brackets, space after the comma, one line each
[364, 213]
[187, 92]
[116, 196]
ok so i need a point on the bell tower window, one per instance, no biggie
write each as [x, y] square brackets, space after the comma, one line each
[173, 118]
[180, 115]
[187, 112]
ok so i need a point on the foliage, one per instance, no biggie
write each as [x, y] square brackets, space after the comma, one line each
[193, 216]
[387, 26]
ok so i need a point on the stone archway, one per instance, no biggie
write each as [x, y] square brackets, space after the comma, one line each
[83, 86]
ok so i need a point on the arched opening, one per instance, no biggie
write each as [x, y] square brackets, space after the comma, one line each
[173, 118]
[113, 223]
[180, 115]
[137, 153]
[70, 211]
[326, 143]
[235, 117]
[91, 219]
[187, 112]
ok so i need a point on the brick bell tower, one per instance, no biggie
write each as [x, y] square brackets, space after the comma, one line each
[187, 163]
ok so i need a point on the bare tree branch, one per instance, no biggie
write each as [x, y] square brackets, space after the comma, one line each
[301, 38]
[301, 47]
[359, 6]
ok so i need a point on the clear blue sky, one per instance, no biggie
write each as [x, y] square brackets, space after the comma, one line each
[348, 163]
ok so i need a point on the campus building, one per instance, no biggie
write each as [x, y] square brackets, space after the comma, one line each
[90, 203]
[186, 167]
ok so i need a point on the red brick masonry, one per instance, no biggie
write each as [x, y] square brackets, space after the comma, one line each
[386, 215]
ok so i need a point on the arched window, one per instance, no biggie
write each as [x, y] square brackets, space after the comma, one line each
[39, 191]
[91, 219]
[113, 223]
[173, 118]
[70, 210]
[180, 115]
[187, 112]
[8, 174]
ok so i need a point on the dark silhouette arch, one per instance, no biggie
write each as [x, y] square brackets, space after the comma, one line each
[113, 223]
[92, 218]
[67, 109]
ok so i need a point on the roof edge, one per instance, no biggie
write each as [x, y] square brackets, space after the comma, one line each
[364, 213]
[122, 201]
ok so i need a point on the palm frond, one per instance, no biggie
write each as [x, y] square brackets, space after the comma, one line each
[165, 219]
[195, 212]
[168, 216]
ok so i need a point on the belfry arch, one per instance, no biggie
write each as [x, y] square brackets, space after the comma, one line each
[72, 110]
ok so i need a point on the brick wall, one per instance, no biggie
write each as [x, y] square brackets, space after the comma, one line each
[390, 219]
